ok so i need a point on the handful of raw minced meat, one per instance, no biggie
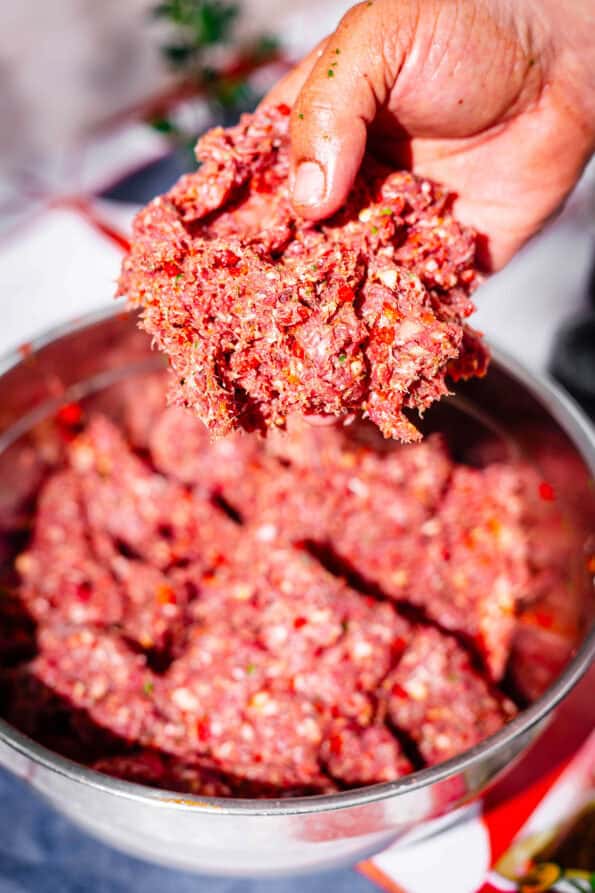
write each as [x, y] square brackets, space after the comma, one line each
[263, 314]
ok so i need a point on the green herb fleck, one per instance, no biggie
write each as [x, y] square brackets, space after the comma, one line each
[374, 230]
[330, 73]
[345, 625]
[250, 669]
[163, 125]
[301, 116]
[337, 52]
[148, 687]
[386, 212]
[179, 276]
[342, 357]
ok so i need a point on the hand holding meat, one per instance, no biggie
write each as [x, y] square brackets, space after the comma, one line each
[295, 273]
[495, 99]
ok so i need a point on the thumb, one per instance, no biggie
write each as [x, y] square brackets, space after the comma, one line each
[339, 99]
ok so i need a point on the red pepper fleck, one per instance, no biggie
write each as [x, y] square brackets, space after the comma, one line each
[468, 539]
[70, 414]
[170, 268]
[336, 744]
[385, 335]
[445, 553]
[335, 711]
[165, 595]
[299, 622]
[228, 259]
[398, 691]
[203, 730]
[544, 619]
[262, 184]
[84, 592]
[398, 645]
[26, 349]
[346, 294]
[283, 109]
[591, 564]
[546, 492]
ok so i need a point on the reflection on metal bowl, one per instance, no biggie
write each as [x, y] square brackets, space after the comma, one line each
[518, 411]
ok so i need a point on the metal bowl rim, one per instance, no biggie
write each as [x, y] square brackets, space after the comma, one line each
[580, 431]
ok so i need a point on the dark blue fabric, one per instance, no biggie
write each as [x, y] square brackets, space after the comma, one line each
[42, 852]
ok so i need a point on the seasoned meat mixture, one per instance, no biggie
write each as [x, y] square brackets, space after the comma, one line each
[263, 314]
[300, 614]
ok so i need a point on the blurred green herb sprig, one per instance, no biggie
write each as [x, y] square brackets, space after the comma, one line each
[197, 29]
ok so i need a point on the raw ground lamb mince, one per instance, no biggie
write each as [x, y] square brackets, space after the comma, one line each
[263, 314]
[297, 614]
[301, 613]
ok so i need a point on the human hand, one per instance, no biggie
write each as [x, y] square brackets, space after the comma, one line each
[493, 98]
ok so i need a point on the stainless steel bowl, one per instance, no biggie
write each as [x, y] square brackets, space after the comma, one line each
[240, 837]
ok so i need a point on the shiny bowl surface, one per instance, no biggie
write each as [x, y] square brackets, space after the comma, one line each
[260, 837]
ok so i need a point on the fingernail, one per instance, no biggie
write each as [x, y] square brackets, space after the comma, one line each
[309, 185]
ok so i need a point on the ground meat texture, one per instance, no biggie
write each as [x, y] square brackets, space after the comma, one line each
[475, 572]
[437, 697]
[404, 524]
[95, 672]
[155, 609]
[263, 314]
[269, 617]
[538, 656]
[551, 615]
[134, 404]
[357, 755]
[41, 713]
[182, 449]
[220, 701]
[324, 480]
[152, 768]
[61, 580]
[308, 626]
[547, 631]
[137, 512]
